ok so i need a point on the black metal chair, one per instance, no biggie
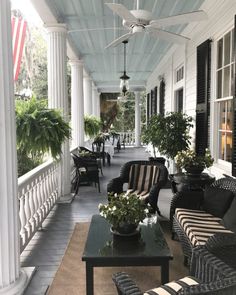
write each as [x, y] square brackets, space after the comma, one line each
[86, 172]
[144, 178]
[213, 268]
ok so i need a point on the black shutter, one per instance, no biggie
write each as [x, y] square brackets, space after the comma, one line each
[162, 97]
[234, 108]
[152, 102]
[203, 96]
[155, 101]
[148, 107]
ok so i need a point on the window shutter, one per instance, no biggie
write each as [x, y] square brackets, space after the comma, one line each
[155, 100]
[203, 96]
[148, 107]
[152, 102]
[162, 97]
[234, 108]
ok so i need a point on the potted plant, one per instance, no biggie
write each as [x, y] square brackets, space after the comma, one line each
[92, 125]
[169, 134]
[193, 163]
[124, 212]
[39, 131]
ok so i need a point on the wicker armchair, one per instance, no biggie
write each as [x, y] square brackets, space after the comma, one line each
[193, 200]
[154, 185]
[212, 266]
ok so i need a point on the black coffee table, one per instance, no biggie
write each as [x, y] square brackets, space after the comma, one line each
[103, 249]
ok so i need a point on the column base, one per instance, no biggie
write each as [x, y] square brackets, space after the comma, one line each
[67, 199]
[19, 287]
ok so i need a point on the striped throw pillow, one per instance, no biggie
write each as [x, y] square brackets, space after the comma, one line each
[174, 287]
[141, 179]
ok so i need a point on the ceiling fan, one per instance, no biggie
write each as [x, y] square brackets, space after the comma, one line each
[140, 21]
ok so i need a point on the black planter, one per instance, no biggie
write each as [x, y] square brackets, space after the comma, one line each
[192, 170]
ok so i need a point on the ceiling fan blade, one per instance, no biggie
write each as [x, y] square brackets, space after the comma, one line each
[179, 19]
[119, 40]
[96, 29]
[122, 11]
[172, 37]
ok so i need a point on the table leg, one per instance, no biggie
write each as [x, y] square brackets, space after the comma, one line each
[165, 273]
[89, 279]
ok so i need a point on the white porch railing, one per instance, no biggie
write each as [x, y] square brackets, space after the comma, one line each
[37, 193]
[127, 137]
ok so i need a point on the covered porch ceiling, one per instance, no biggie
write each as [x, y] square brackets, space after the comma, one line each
[87, 21]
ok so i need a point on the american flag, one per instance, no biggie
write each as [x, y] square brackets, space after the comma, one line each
[18, 39]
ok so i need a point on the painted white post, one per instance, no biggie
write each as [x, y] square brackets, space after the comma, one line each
[94, 101]
[58, 97]
[87, 82]
[137, 119]
[77, 103]
[13, 280]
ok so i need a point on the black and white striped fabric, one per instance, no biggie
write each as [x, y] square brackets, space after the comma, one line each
[141, 178]
[174, 287]
[199, 225]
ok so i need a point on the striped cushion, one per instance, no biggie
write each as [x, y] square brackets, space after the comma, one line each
[173, 287]
[199, 225]
[141, 178]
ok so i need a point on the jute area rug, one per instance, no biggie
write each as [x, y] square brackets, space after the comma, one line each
[70, 276]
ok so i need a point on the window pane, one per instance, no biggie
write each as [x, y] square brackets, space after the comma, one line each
[232, 80]
[221, 145]
[220, 53]
[229, 116]
[219, 84]
[227, 49]
[222, 116]
[226, 81]
[232, 45]
[228, 147]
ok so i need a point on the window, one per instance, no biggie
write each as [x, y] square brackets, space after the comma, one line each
[179, 100]
[224, 95]
[179, 74]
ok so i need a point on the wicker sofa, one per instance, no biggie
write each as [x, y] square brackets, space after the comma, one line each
[195, 216]
[212, 272]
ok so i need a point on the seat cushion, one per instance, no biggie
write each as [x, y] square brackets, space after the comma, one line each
[173, 287]
[217, 200]
[199, 225]
[141, 179]
[229, 219]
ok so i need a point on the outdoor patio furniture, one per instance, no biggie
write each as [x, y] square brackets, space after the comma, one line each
[144, 178]
[213, 272]
[86, 172]
[103, 249]
[196, 216]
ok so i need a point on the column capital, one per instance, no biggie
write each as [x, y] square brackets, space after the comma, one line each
[76, 62]
[52, 28]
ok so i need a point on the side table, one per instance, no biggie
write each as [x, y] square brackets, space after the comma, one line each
[184, 181]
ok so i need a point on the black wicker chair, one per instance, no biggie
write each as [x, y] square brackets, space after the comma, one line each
[116, 184]
[193, 200]
[213, 266]
[86, 171]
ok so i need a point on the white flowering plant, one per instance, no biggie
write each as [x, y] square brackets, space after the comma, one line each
[124, 209]
[189, 158]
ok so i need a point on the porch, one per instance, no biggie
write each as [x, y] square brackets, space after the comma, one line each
[48, 245]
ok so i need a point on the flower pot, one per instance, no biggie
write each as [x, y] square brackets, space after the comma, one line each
[125, 229]
[194, 170]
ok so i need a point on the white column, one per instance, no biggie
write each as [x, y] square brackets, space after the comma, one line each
[57, 95]
[137, 119]
[87, 82]
[98, 105]
[77, 103]
[12, 279]
[94, 101]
